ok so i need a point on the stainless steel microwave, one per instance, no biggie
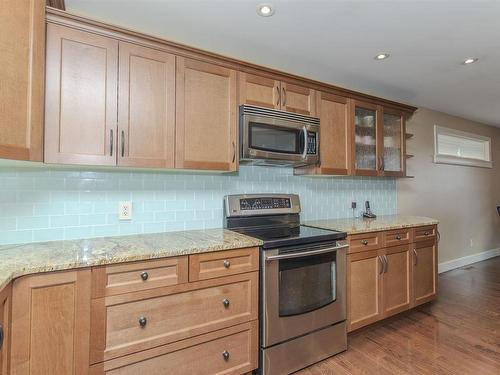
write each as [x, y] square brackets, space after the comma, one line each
[270, 137]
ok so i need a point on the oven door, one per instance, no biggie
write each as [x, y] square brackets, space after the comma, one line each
[303, 289]
[268, 138]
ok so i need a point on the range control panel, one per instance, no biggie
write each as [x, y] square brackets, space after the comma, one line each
[264, 203]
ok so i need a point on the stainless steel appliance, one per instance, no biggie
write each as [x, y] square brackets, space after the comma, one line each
[303, 282]
[270, 137]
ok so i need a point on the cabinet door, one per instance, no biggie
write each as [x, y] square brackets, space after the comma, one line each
[259, 91]
[365, 152]
[22, 41]
[206, 120]
[5, 298]
[393, 150]
[364, 283]
[81, 97]
[335, 148]
[424, 272]
[51, 324]
[146, 102]
[298, 99]
[397, 280]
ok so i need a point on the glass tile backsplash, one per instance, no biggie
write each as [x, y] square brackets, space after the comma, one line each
[46, 204]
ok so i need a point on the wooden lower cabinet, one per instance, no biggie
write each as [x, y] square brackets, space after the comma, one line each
[5, 298]
[397, 280]
[389, 280]
[50, 324]
[424, 272]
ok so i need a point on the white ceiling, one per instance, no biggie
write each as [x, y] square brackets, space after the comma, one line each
[335, 41]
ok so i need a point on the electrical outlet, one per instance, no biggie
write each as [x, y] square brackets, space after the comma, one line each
[125, 211]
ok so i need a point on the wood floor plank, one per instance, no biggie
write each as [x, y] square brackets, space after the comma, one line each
[459, 333]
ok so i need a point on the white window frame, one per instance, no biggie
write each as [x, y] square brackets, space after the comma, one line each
[457, 160]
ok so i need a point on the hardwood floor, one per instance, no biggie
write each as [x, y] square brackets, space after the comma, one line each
[457, 334]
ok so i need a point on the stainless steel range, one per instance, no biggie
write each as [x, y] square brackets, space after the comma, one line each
[302, 282]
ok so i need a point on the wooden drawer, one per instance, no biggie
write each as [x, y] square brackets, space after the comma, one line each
[132, 277]
[397, 237]
[202, 355]
[365, 242]
[170, 314]
[223, 263]
[424, 233]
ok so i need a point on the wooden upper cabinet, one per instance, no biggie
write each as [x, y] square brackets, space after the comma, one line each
[424, 272]
[50, 324]
[366, 139]
[335, 145]
[298, 99]
[206, 116]
[392, 143]
[271, 93]
[259, 91]
[22, 41]
[81, 97]
[146, 103]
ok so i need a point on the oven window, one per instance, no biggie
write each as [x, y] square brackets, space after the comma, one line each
[275, 139]
[306, 284]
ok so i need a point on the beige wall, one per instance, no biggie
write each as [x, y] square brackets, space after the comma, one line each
[462, 198]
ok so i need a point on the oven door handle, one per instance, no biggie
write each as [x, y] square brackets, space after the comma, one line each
[301, 254]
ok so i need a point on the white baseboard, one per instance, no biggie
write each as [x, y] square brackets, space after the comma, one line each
[469, 259]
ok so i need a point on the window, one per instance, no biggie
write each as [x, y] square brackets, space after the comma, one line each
[456, 147]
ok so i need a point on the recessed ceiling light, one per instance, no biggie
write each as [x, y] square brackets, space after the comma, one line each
[382, 56]
[470, 60]
[265, 10]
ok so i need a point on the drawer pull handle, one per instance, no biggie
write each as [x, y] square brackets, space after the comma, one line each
[225, 302]
[143, 321]
[398, 237]
[144, 275]
[364, 242]
[225, 355]
[227, 264]
[426, 233]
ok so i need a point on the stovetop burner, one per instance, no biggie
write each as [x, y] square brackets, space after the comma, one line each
[273, 218]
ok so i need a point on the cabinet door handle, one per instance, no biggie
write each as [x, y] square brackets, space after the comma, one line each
[144, 275]
[415, 262]
[386, 261]
[225, 355]
[225, 302]
[284, 96]
[227, 264]
[111, 141]
[279, 95]
[382, 265]
[1, 336]
[123, 143]
[234, 152]
[438, 236]
[143, 321]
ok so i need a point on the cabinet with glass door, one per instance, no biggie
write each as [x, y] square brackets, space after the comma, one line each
[378, 140]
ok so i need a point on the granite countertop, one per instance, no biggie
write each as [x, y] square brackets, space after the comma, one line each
[19, 260]
[360, 225]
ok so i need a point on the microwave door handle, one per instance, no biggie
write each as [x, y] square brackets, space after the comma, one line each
[300, 254]
[304, 154]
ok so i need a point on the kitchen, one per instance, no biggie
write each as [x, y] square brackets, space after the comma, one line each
[181, 210]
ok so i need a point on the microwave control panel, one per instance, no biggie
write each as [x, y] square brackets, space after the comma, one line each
[311, 143]
[264, 203]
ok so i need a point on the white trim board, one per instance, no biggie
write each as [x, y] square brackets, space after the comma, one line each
[469, 259]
